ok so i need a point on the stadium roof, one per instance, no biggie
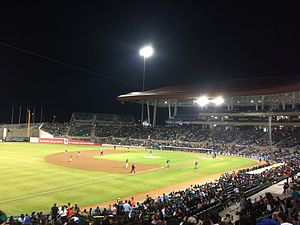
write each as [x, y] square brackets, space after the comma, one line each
[228, 88]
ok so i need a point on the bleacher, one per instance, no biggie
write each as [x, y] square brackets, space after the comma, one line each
[80, 129]
[107, 127]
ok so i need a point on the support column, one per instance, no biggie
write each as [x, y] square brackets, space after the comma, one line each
[256, 106]
[231, 103]
[175, 108]
[169, 108]
[154, 113]
[228, 107]
[293, 101]
[142, 114]
[283, 105]
[270, 131]
[148, 112]
[12, 115]
[20, 111]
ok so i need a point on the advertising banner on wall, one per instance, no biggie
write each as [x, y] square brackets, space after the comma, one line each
[80, 142]
[65, 141]
[52, 140]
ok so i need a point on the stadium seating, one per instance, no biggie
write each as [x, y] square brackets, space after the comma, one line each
[80, 130]
[184, 135]
[56, 129]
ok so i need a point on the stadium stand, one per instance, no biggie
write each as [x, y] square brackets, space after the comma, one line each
[80, 129]
[105, 128]
[179, 135]
[56, 129]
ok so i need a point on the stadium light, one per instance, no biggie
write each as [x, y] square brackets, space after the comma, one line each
[202, 101]
[218, 101]
[146, 51]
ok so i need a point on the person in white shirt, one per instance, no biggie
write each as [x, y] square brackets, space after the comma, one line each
[126, 209]
[113, 210]
[63, 214]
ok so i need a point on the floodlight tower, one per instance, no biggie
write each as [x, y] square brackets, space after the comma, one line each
[146, 52]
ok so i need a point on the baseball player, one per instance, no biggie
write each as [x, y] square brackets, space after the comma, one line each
[196, 164]
[168, 163]
[132, 168]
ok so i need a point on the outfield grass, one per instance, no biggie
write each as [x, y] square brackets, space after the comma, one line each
[28, 183]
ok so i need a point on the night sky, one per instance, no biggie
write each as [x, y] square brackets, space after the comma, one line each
[194, 41]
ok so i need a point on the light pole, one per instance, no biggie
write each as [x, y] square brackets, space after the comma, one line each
[146, 52]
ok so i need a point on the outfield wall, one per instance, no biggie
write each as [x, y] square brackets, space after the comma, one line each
[62, 141]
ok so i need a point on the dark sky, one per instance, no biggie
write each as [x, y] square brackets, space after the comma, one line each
[193, 41]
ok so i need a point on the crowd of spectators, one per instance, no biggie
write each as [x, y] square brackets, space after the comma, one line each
[120, 118]
[83, 116]
[104, 130]
[223, 136]
[80, 129]
[56, 129]
[189, 135]
[194, 134]
[291, 141]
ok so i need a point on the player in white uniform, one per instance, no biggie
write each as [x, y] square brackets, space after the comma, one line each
[168, 163]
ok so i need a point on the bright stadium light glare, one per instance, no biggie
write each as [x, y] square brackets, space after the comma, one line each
[202, 101]
[146, 51]
[218, 101]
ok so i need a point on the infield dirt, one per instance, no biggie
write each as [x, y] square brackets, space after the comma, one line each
[86, 161]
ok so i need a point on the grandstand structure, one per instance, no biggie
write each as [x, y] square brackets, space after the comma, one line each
[253, 100]
[92, 125]
[261, 103]
[261, 112]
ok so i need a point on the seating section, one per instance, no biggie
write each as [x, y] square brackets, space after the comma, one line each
[100, 127]
[80, 129]
[83, 116]
[56, 129]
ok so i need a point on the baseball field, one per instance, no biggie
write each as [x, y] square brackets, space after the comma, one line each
[34, 176]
